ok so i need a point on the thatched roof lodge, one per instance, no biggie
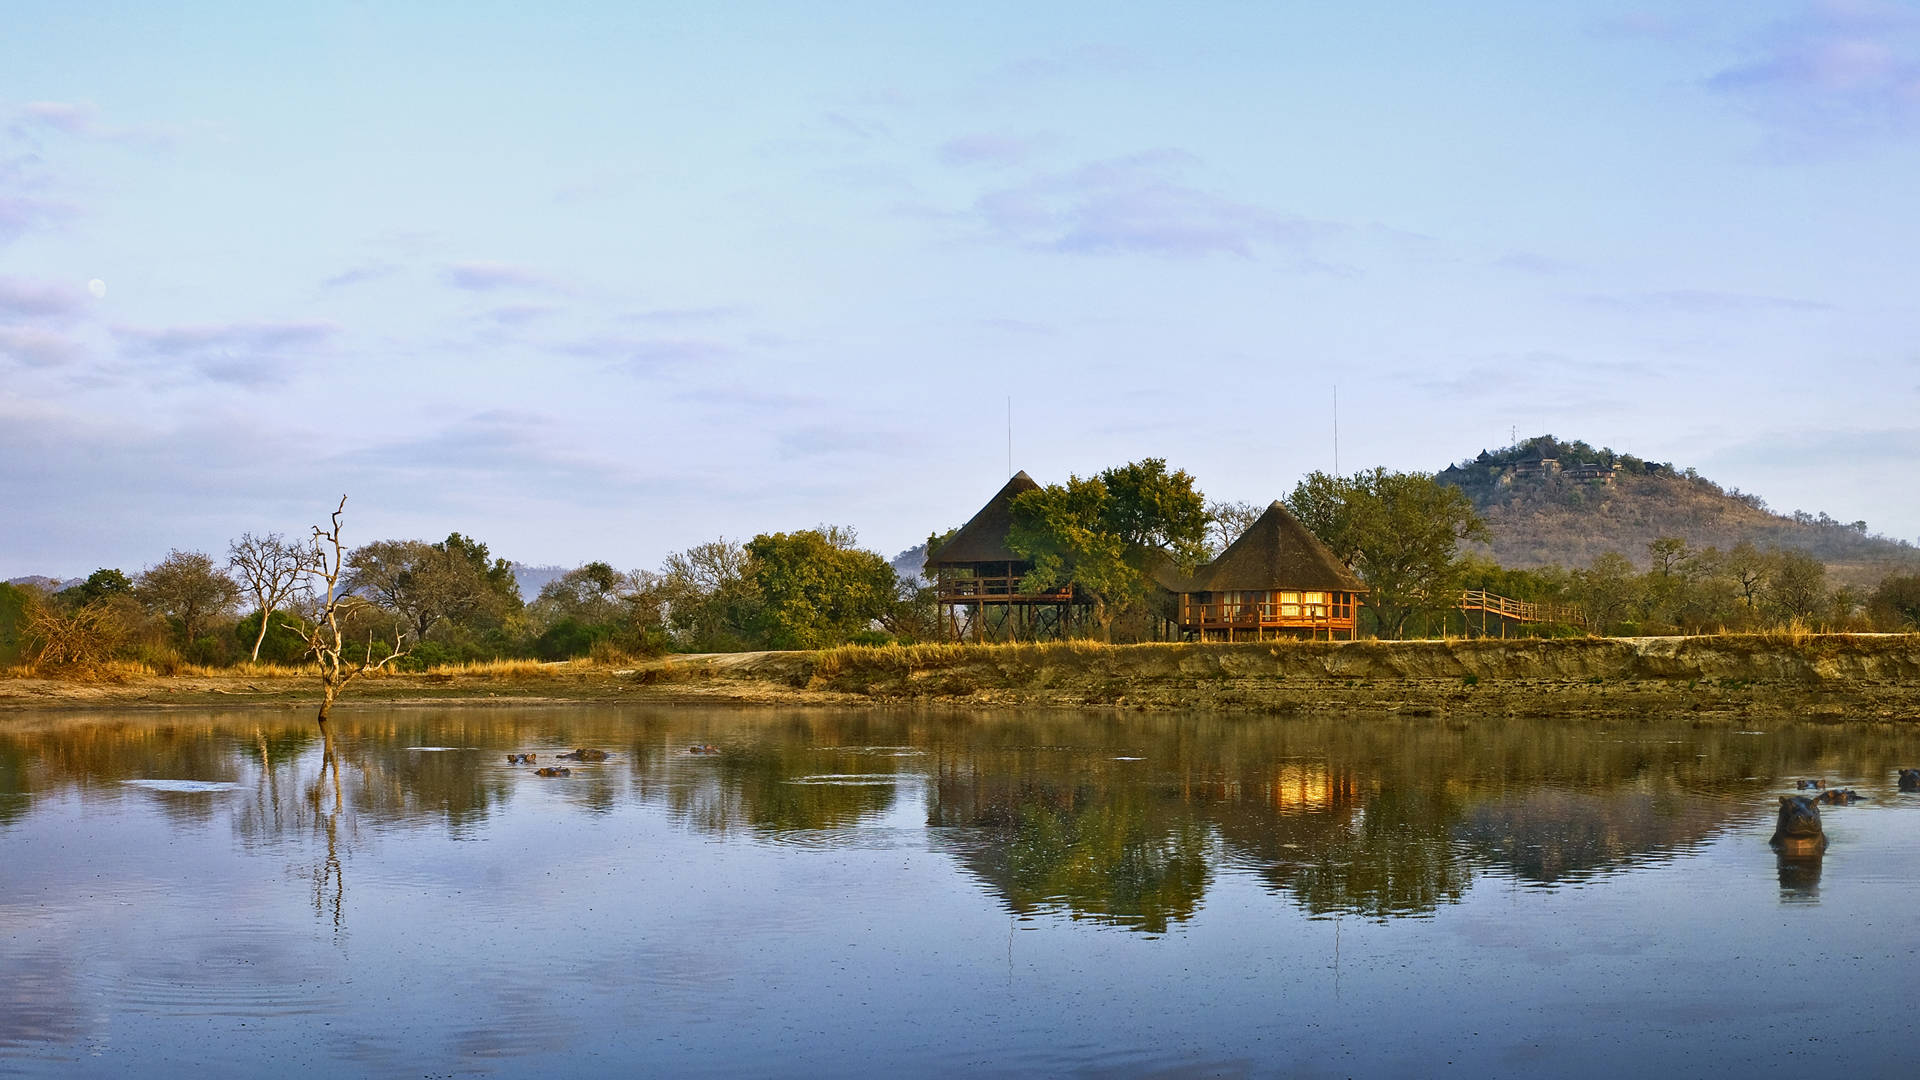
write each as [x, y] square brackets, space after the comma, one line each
[1276, 577]
[977, 578]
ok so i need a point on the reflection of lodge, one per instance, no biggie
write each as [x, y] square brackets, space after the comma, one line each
[977, 579]
[1276, 578]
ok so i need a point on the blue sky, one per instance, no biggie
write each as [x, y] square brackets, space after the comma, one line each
[606, 281]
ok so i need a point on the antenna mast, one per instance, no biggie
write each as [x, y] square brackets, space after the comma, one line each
[1336, 429]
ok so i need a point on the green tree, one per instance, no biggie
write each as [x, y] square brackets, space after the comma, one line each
[14, 605]
[455, 583]
[100, 585]
[1796, 585]
[1104, 535]
[593, 595]
[1400, 532]
[1606, 590]
[188, 588]
[1895, 603]
[815, 588]
[708, 601]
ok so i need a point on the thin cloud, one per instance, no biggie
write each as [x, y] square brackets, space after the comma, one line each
[713, 313]
[257, 337]
[525, 451]
[1839, 71]
[37, 347]
[359, 274]
[646, 354]
[1654, 25]
[993, 149]
[863, 130]
[37, 299]
[1138, 205]
[1825, 449]
[81, 120]
[823, 440]
[518, 314]
[1704, 302]
[489, 276]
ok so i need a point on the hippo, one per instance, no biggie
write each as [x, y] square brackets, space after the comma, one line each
[703, 748]
[584, 754]
[553, 770]
[1838, 796]
[1811, 785]
[1798, 831]
[520, 759]
[1910, 779]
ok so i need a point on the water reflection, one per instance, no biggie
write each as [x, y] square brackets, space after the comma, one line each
[1124, 821]
[1800, 878]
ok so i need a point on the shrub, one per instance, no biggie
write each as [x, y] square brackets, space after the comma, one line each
[567, 639]
[282, 646]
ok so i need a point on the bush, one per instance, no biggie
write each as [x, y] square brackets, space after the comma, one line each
[13, 619]
[426, 654]
[282, 646]
[568, 639]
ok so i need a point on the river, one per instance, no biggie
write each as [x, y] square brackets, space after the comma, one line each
[869, 892]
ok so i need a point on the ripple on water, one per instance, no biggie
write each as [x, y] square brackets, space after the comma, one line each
[190, 787]
[436, 749]
[855, 838]
[224, 971]
[849, 779]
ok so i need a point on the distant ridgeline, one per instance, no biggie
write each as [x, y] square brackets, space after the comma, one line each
[1547, 502]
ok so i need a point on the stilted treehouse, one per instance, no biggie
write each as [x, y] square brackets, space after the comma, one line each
[977, 580]
[1276, 578]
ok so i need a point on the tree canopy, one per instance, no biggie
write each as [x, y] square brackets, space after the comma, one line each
[815, 588]
[1106, 534]
[1400, 532]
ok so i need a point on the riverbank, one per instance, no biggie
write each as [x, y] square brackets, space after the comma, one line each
[1804, 676]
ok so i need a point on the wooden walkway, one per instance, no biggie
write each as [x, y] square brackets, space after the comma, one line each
[1505, 607]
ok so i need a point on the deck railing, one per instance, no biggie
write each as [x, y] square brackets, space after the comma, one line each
[1262, 615]
[1518, 610]
[973, 589]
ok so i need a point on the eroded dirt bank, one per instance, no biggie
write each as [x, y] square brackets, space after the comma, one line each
[1840, 677]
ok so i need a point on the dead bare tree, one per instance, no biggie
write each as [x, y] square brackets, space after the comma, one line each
[80, 641]
[326, 641]
[271, 568]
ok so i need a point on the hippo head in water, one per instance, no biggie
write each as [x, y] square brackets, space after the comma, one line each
[1910, 779]
[1798, 831]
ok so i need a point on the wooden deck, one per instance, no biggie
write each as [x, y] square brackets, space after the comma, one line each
[995, 590]
[1259, 617]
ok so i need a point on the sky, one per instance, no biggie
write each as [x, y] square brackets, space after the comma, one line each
[603, 281]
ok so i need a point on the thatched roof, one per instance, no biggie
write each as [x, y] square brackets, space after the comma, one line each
[984, 538]
[1276, 552]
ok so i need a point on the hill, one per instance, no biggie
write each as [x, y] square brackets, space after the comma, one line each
[1548, 501]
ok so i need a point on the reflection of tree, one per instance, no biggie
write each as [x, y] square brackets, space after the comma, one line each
[1548, 834]
[773, 788]
[1113, 851]
[1373, 817]
[326, 815]
[1394, 860]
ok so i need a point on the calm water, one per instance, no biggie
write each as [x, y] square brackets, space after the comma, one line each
[867, 893]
